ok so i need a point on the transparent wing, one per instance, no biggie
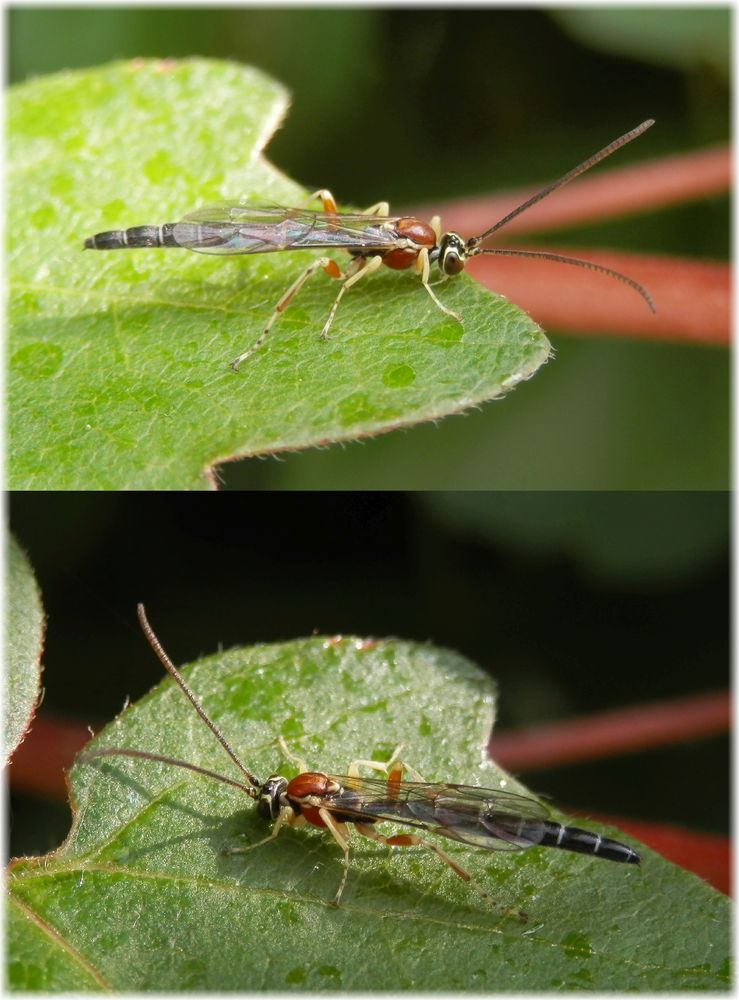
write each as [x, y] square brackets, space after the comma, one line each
[234, 228]
[483, 817]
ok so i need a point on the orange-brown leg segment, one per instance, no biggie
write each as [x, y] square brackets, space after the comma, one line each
[412, 840]
[327, 200]
[329, 205]
[394, 768]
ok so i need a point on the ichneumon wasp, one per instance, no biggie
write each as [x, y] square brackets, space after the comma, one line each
[480, 817]
[372, 238]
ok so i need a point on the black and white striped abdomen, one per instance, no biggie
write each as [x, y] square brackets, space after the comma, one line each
[138, 236]
[571, 838]
[525, 831]
[188, 235]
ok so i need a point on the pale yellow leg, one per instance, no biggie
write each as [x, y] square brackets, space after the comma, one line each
[385, 766]
[298, 761]
[423, 268]
[340, 834]
[329, 204]
[381, 208]
[327, 200]
[286, 817]
[327, 264]
[395, 769]
[412, 840]
[359, 267]
[365, 266]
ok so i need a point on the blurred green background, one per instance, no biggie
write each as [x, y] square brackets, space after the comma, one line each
[574, 603]
[417, 105]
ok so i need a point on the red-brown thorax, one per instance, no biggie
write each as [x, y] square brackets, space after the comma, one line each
[312, 784]
[412, 229]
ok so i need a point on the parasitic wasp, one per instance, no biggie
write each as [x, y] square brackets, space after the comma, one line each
[372, 238]
[480, 817]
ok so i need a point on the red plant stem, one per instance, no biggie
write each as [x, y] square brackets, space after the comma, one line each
[610, 194]
[40, 762]
[608, 734]
[692, 297]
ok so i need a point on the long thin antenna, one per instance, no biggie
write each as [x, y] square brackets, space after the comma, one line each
[578, 262]
[575, 172]
[145, 755]
[174, 672]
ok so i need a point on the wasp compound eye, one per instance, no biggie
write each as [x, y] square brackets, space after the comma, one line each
[268, 803]
[452, 256]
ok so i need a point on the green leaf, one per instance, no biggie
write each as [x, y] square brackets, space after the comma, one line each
[118, 361]
[141, 897]
[24, 643]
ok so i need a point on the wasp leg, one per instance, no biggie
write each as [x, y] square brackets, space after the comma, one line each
[411, 840]
[326, 264]
[340, 834]
[329, 204]
[423, 267]
[298, 761]
[327, 200]
[381, 208]
[358, 268]
[286, 817]
[393, 767]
